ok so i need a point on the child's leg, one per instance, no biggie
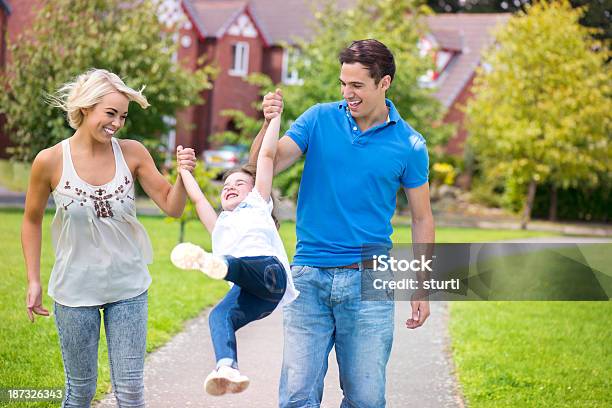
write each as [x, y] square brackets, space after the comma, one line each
[262, 276]
[237, 309]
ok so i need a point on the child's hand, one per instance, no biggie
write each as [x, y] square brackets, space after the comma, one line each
[185, 158]
[272, 105]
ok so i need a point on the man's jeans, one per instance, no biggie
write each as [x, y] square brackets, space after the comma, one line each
[260, 283]
[329, 312]
[125, 323]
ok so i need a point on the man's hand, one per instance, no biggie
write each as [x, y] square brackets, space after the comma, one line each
[185, 158]
[420, 312]
[34, 301]
[272, 104]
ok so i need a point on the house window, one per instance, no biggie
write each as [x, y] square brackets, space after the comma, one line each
[442, 61]
[240, 59]
[289, 73]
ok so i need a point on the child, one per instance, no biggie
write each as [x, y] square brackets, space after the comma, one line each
[247, 250]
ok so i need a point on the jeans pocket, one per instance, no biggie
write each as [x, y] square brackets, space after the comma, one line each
[375, 285]
[298, 270]
[274, 279]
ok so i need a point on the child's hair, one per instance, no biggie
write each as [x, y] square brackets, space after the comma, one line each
[87, 90]
[251, 170]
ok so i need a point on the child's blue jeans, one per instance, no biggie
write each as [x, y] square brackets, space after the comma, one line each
[260, 283]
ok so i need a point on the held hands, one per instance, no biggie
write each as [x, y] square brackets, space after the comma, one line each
[34, 301]
[185, 158]
[272, 104]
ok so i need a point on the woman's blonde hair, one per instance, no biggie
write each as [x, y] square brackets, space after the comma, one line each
[87, 90]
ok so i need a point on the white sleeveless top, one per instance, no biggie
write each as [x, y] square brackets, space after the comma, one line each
[101, 250]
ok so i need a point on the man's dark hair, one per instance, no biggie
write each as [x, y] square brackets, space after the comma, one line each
[372, 54]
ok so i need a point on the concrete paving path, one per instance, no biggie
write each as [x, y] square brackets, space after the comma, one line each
[419, 373]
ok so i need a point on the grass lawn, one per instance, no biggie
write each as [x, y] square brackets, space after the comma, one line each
[30, 355]
[14, 175]
[533, 354]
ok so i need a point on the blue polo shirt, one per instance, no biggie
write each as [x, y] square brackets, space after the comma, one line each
[350, 181]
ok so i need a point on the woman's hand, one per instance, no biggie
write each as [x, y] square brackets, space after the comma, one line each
[34, 301]
[185, 158]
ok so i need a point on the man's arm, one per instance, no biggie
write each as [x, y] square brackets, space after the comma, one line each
[423, 232]
[287, 151]
[256, 144]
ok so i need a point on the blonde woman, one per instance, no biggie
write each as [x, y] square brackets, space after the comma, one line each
[101, 250]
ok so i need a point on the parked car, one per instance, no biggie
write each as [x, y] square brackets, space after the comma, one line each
[225, 157]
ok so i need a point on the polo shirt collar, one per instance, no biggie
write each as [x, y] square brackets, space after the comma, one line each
[393, 117]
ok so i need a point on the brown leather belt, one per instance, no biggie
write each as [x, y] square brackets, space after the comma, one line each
[367, 264]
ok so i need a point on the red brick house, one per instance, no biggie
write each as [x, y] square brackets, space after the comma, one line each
[5, 12]
[14, 19]
[459, 40]
[241, 37]
[244, 36]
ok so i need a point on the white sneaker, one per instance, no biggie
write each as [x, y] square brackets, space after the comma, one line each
[190, 256]
[226, 379]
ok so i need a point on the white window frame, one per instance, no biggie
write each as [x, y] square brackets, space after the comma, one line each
[290, 77]
[240, 59]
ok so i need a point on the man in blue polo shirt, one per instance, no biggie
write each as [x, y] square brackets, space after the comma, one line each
[358, 152]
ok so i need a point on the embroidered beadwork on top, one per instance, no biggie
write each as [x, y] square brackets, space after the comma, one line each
[101, 249]
[119, 188]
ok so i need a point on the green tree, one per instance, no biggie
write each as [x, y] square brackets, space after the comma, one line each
[67, 38]
[542, 105]
[398, 25]
[211, 190]
[597, 15]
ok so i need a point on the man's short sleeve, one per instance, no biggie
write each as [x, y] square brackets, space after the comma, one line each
[416, 172]
[301, 129]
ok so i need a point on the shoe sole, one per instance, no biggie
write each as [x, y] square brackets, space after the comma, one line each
[216, 386]
[194, 261]
[219, 386]
[215, 268]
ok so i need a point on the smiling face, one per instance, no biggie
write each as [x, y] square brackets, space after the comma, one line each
[364, 97]
[235, 189]
[105, 119]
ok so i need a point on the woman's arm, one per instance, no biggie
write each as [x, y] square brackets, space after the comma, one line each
[169, 198]
[205, 211]
[265, 159]
[39, 188]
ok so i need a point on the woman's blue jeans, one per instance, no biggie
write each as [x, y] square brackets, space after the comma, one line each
[125, 323]
[260, 283]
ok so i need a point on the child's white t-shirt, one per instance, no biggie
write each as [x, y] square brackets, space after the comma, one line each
[249, 230]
